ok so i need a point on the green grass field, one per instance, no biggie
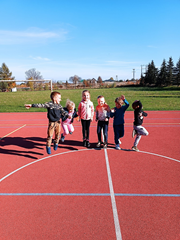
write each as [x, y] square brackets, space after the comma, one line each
[151, 98]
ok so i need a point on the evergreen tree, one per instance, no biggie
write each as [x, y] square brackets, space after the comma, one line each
[5, 74]
[162, 76]
[151, 74]
[177, 76]
[170, 69]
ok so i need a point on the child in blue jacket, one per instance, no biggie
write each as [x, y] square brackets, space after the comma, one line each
[118, 114]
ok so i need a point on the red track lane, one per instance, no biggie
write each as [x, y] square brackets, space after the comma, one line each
[75, 169]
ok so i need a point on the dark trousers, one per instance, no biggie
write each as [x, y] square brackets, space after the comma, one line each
[118, 132]
[85, 128]
[102, 125]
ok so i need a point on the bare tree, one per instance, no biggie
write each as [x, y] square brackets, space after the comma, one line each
[75, 79]
[33, 74]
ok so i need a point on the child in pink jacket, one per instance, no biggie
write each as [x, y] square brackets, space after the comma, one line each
[86, 113]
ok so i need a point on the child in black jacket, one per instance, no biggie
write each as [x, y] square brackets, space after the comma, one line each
[55, 110]
[138, 129]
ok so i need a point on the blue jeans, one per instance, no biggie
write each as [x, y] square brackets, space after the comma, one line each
[118, 132]
[102, 125]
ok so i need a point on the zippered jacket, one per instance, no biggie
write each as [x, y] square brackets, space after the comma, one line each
[102, 112]
[86, 110]
[54, 110]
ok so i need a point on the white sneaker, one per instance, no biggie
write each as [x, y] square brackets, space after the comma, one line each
[134, 148]
[117, 147]
[120, 141]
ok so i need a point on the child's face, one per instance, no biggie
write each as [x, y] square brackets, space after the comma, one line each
[118, 105]
[57, 99]
[86, 96]
[70, 109]
[101, 101]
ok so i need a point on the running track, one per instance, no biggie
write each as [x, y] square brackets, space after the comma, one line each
[79, 193]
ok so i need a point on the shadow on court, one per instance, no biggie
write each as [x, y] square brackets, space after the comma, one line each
[14, 142]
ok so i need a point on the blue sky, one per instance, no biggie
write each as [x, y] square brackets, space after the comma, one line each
[107, 38]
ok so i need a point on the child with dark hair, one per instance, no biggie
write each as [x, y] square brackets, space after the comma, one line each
[54, 112]
[86, 113]
[138, 129]
[118, 124]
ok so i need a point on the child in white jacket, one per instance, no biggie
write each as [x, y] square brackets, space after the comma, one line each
[86, 113]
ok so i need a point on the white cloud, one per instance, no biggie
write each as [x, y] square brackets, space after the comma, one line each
[31, 35]
[40, 58]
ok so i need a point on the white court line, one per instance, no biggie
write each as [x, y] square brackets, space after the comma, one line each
[18, 169]
[113, 201]
[114, 208]
[13, 131]
[160, 156]
[77, 151]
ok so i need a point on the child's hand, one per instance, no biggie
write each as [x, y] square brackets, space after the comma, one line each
[112, 110]
[27, 106]
[123, 97]
[106, 119]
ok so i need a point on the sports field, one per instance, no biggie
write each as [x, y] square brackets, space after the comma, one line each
[80, 193]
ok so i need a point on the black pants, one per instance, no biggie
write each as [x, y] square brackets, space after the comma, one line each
[118, 132]
[102, 125]
[85, 128]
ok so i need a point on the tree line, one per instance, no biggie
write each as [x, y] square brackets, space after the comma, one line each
[167, 75]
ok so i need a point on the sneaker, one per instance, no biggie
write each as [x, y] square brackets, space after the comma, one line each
[105, 145]
[117, 147]
[48, 150]
[134, 132]
[98, 144]
[119, 141]
[62, 137]
[70, 133]
[134, 148]
[88, 144]
[84, 143]
[55, 146]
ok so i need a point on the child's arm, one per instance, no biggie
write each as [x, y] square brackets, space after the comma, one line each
[63, 112]
[126, 104]
[92, 112]
[38, 105]
[96, 113]
[79, 111]
[108, 113]
[125, 101]
[112, 113]
[144, 114]
[123, 97]
[75, 114]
